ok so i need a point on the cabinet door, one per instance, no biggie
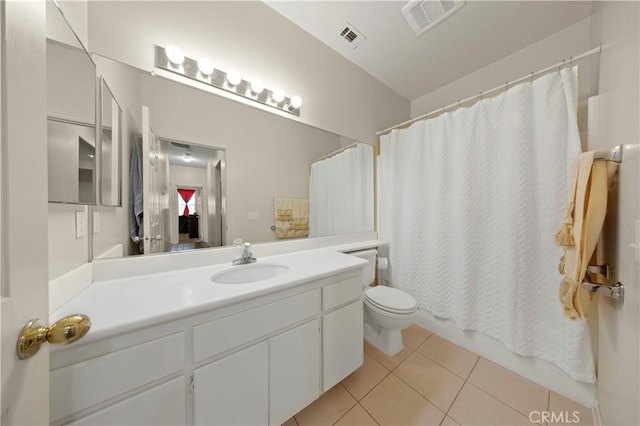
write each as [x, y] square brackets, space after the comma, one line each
[234, 390]
[161, 405]
[294, 367]
[342, 343]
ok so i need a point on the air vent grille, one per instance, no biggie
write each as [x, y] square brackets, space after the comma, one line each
[352, 35]
[425, 14]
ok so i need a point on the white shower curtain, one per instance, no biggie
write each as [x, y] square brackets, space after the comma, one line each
[341, 193]
[470, 202]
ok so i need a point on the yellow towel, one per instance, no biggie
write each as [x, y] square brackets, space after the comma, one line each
[292, 217]
[581, 230]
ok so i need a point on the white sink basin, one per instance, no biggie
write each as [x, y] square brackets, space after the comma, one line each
[245, 274]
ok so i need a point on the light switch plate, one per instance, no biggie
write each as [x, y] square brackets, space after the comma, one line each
[80, 225]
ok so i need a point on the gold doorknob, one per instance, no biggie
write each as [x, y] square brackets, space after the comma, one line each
[62, 332]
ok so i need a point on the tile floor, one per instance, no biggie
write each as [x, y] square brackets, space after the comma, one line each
[432, 382]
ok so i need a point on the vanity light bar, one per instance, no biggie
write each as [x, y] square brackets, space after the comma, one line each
[188, 67]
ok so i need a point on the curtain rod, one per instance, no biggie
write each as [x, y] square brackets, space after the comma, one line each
[337, 151]
[479, 96]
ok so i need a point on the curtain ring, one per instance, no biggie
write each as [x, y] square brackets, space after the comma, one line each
[532, 77]
[459, 103]
[570, 61]
[506, 86]
[443, 109]
[480, 96]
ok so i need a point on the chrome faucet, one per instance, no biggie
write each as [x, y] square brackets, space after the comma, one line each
[246, 256]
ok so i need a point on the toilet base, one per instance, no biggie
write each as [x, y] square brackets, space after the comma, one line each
[388, 341]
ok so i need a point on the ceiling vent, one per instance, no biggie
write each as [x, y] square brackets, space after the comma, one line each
[423, 15]
[351, 35]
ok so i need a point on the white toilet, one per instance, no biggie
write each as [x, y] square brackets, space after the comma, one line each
[387, 311]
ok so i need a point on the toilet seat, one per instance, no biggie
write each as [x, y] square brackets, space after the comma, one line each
[390, 300]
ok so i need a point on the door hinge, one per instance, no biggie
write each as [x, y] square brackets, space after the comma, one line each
[192, 385]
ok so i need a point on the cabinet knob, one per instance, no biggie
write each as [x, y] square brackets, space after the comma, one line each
[62, 332]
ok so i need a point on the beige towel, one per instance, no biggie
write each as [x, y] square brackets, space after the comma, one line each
[292, 217]
[581, 230]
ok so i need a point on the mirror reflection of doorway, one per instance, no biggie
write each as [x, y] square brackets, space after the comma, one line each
[189, 206]
[196, 191]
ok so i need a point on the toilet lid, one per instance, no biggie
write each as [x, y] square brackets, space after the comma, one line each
[390, 299]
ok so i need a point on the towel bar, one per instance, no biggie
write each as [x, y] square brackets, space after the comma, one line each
[599, 269]
[615, 291]
[614, 154]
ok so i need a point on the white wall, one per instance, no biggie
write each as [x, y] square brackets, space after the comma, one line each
[267, 156]
[75, 12]
[614, 25]
[71, 80]
[569, 42]
[257, 41]
[65, 251]
[188, 176]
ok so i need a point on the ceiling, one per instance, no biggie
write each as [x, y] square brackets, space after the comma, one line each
[478, 34]
[200, 155]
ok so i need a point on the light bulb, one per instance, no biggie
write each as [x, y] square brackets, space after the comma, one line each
[296, 101]
[278, 95]
[175, 55]
[234, 78]
[205, 66]
[257, 86]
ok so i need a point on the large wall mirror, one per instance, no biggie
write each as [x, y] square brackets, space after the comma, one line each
[71, 114]
[220, 171]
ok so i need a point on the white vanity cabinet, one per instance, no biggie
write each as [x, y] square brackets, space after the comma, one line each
[294, 371]
[342, 340]
[258, 361]
[233, 390]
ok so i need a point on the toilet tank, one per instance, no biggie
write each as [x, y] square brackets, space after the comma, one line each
[369, 274]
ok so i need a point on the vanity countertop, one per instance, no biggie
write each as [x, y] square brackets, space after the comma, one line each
[127, 304]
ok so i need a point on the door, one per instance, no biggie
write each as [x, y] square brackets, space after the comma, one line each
[203, 214]
[342, 347]
[219, 220]
[294, 371]
[23, 210]
[151, 223]
[233, 390]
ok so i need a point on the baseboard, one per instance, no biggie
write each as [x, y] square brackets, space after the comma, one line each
[597, 419]
[115, 251]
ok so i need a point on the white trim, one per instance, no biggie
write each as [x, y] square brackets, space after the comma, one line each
[597, 419]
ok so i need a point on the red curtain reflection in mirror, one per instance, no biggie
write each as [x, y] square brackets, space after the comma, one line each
[186, 195]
